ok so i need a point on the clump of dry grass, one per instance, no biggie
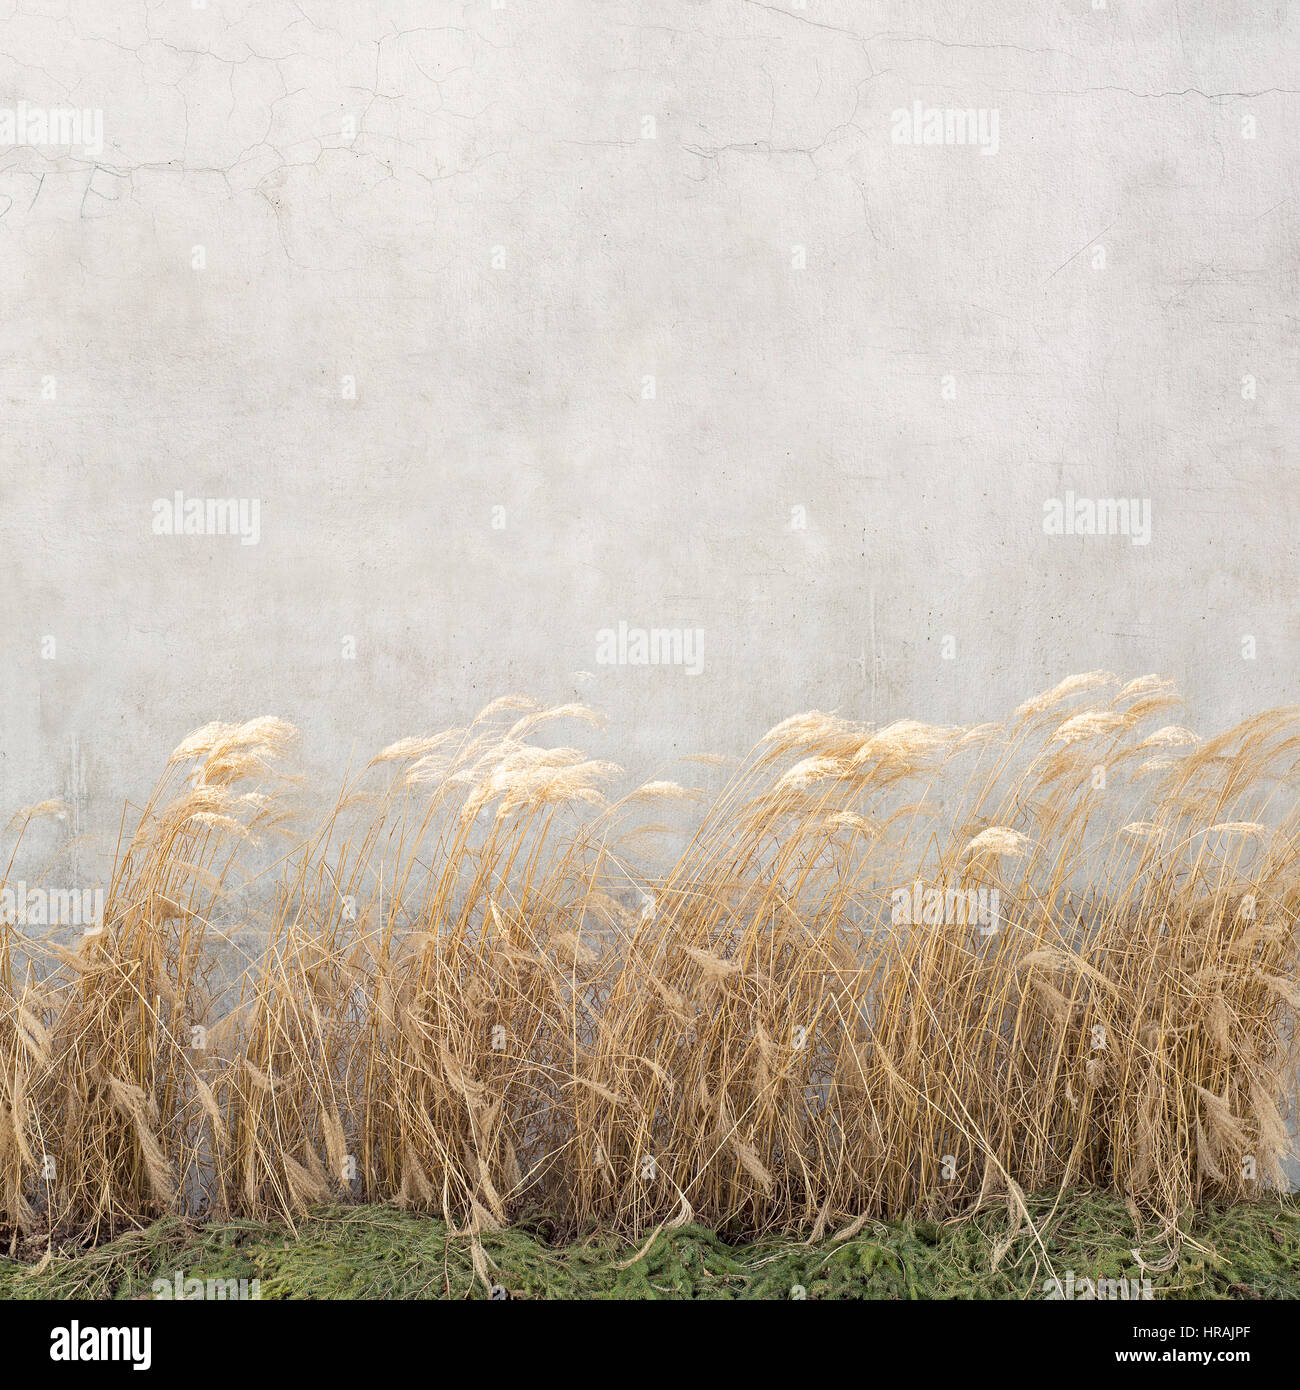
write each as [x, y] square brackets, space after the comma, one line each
[485, 990]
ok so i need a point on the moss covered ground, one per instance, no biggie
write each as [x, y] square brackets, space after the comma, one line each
[359, 1252]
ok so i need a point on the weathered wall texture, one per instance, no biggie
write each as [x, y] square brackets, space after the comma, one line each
[519, 319]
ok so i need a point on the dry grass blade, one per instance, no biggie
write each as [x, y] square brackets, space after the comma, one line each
[476, 991]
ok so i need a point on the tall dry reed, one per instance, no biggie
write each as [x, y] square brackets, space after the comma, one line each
[487, 984]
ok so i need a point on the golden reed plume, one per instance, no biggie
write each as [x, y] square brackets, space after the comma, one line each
[877, 971]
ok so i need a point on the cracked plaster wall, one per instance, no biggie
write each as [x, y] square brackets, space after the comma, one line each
[498, 220]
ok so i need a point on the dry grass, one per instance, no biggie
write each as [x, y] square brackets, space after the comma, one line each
[491, 987]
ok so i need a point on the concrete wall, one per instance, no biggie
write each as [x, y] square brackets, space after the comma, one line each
[496, 221]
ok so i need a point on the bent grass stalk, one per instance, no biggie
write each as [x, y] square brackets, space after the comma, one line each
[486, 986]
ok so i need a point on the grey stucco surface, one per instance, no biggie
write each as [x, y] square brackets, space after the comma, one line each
[501, 255]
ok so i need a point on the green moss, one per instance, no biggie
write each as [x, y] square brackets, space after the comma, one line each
[1249, 1251]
